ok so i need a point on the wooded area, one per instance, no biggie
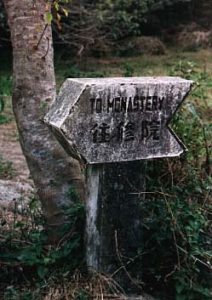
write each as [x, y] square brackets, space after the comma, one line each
[42, 239]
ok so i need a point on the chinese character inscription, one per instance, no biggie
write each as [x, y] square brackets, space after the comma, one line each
[125, 132]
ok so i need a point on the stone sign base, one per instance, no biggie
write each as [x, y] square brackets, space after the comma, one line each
[114, 224]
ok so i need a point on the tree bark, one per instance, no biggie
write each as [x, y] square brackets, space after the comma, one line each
[34, 89]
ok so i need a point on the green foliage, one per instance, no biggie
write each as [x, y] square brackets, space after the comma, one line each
[58, 9]
[48, 17]
[176, 214]
[5, 91]
[75, 72]
[126, 17]
[98, 27]
[12, 293]
[176, 228]
[5, 85]
[25, 248]
[82, 295]
[72, 194]
[6, 169]
[4, 119]
[197, 133]
[128, 70]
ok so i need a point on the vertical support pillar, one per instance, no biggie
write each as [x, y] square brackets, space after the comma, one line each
[114, 225]
[92, 228]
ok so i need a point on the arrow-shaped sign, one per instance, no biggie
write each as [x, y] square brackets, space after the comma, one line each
[118, 119]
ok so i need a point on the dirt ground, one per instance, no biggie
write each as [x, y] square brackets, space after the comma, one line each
[19, 184]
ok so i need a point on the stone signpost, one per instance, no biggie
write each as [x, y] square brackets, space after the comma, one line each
[113, 125]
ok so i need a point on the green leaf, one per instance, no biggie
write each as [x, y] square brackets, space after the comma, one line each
[65, 11]
[48, 17]
[2, 104]
[179, 288]
[42, 271]
[56, 5]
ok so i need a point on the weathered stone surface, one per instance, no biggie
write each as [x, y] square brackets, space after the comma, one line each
[118, 119]
[114, 223]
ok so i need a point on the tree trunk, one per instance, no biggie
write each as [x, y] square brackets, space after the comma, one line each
[53, 172]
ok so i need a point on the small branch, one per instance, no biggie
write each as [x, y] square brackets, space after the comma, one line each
[207, 159]
[156, 192]
[178, 255]
[47, 50]
[171, 273]
[42, 34]
[122, 264]
[174, 221]
[195, 258]
[170, 171]
[3, 238]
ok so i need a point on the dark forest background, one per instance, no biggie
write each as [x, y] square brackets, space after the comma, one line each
[102, 27]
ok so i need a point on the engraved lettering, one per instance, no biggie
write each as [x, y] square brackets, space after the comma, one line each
[161, 100]
[126, 132]
[154, 103]
[129, 131]
[117, 104]
[110, 104]
[130, 106]
[150, 129]
[101, 133]
[144, 130]
[120, 131]
[142, 99]
[154, 130]
[136, 103]
[124, 104]
[98, 105]
[92, 101]
[148, 103]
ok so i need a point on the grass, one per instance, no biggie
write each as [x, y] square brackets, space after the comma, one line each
[6, 169]
[144, 65]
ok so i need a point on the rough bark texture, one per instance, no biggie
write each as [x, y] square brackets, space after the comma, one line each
[52, 170]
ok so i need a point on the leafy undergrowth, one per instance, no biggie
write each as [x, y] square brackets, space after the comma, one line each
[32, 269]
[26, 260]
[178, 207]
[177, 231]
